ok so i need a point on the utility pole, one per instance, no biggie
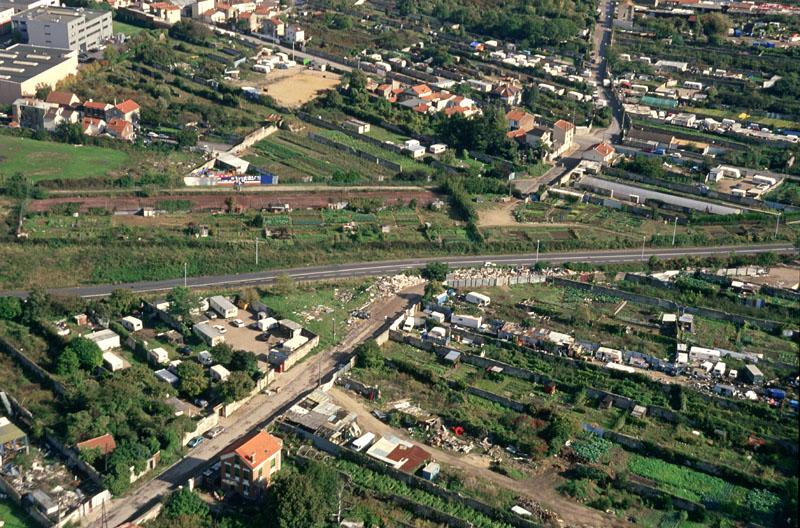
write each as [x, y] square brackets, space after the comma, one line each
[777, 223]
[674, 230]
[644, 241]
[184, 274]
[256, 252]
[537, 251]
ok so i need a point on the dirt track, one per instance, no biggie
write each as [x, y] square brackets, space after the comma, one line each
[541, 488]
[250, 200]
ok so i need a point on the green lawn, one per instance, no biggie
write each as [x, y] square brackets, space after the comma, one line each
[128, 29]
[46, 160]
[14, 517]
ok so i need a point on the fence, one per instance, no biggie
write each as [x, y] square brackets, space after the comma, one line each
[763, 324]
[358, 153]
[410, 480]
[454, 281]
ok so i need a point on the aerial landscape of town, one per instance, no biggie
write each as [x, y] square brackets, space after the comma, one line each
[395, 263]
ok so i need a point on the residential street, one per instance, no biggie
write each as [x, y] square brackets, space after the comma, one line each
[256, 414]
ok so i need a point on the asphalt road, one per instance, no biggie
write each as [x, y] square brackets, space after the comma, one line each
[362, 269]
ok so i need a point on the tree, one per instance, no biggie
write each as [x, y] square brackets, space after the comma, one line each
[192, 379]
[70, 133]
[283, 285]
[185, 502]
[303, 500]
[562, 427]
[67, 363]
[249, 296]
[238, 385]
[222, 353]
[244, 361]
[10, 308]
[122, 301]
[369, 355]
[88, 353]
[18, 186]
[182, 301]
[715, 25]
[42, 91]
[187, 137]
[435, 271]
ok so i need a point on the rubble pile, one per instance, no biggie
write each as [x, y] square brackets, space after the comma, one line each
[443, 438]
[388, 286]
[539, 511]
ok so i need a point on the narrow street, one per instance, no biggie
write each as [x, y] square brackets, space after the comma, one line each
[256, 414]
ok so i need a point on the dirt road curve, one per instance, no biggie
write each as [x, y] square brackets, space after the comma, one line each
[540, 489]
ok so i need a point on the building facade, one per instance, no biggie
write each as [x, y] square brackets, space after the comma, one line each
[25, 68]
[248, 467]
[64, 27]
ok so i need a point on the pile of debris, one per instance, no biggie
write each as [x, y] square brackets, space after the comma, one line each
[494, 272]
[539, 511]
[443, 438]
[388, 286]
[315, 312]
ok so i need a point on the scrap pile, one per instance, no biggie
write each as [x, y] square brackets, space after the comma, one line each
[388, 286]
[444, 438]
[538, 511]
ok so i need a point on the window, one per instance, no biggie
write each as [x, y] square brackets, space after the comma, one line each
[272, 463]
[227, 470]
[246, 475]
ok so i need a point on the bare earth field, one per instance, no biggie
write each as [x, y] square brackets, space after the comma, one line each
[293, 87]
[253, 200]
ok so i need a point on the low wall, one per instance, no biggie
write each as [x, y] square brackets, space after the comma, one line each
[665, 304]
[411, 480]
[33, 368]
[252, 138]
[358, 153]
[203, 425]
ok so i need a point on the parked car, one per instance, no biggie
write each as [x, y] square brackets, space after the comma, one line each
[215, 431]
[186, 350]
[196, 441]
[201, 403]
[211, 314]
[238, 323]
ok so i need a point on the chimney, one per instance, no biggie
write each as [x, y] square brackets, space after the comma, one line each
[252, 458]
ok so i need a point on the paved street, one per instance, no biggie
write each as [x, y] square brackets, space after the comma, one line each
[366, 269]
[257, 413]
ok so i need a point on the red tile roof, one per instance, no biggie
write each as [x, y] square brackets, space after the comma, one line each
[88, 121]
[96, 105]
[604, 149]
[61, 98]
[104, 443]
[257, 449]
[413, 456]
[421, 89]
[127, 106]
[421, 108]
[564, 125]
[120, 127]
[515, 114]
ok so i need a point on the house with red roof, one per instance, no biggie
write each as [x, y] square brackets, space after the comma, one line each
[96, 109]
[93, 126]
[121, 129]
[247, 466]
[563, 136]
[64, 99]
[509, 94]
[601, 153]
[127, 110]
[420, 90]
[519, 119]
[104, 443]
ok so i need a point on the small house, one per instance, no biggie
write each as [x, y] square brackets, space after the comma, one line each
[357, 126]
[467, 321]
[158, 356]
[131, 324]
[290, 328]
[639, 411]
[105, 339]
[113, 362]
[686, 323]
[267, 324]
[431, 471]
[165, 375]
[223, 306]
[452, 358]
[477, 298]
[210, 335]
[12, 438]
[219, 373]
[437, 148]
[752, 374]
[205, 358]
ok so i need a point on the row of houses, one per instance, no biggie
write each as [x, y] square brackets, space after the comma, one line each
[423, 99]
[120, 121]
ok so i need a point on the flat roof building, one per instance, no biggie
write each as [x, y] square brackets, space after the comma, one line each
[24, 68]
[63, 27]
